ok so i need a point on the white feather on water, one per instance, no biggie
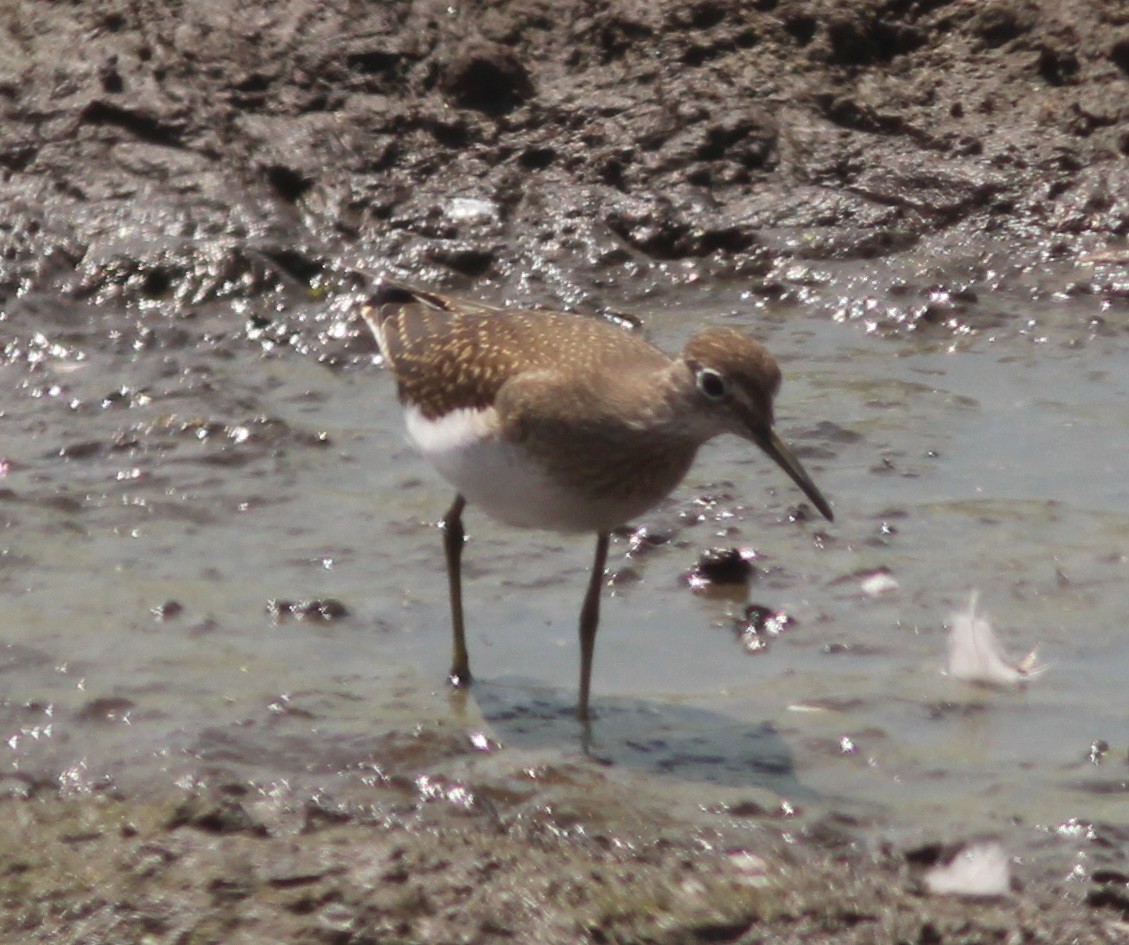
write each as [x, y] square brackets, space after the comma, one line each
[975, 655]
[980, 869]
[878, 583]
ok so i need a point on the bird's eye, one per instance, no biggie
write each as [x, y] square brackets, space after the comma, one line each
[712, 384]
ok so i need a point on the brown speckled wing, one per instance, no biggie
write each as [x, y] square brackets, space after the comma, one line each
[448, 354]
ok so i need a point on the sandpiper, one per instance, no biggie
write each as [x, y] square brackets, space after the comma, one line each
[564, 422]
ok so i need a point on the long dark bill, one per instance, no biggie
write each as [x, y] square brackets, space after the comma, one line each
[782, 453]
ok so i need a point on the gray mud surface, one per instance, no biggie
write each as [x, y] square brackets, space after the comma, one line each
[213, 187]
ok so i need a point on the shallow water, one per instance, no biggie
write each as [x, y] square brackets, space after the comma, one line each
[161, 486]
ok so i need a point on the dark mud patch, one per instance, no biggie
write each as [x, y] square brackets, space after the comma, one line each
[186, 156]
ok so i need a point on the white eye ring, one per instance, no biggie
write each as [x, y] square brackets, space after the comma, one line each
[712, 384]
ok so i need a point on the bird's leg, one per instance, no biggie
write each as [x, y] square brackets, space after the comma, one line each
[589, 621]
[453, 537]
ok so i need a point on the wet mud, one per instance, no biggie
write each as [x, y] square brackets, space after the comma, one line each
[181, 154]
[194, 201]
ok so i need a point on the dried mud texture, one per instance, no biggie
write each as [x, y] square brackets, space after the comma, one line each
[180, 151]
[218, 866]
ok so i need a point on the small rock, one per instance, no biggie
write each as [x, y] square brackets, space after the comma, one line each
[470, 210]
[721, 566]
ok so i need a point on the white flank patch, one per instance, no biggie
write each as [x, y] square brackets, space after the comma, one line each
[980, 869]
[498, 477]
[975, 654]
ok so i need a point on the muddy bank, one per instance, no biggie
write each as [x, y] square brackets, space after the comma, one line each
[172, 152]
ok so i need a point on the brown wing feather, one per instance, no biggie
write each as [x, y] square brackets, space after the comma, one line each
[449, 353]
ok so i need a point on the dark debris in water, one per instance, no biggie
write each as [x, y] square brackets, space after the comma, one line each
[319, 609]
[721, 568]
[107, 709]
[941, 710]
[168, 610]
[1110, 897]
[759, 625]
[1115, 787]
[1099, 748]
[644, 539]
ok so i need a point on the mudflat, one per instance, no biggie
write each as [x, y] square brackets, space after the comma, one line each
[187, 187]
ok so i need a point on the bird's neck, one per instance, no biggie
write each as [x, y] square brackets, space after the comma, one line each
[663, 403]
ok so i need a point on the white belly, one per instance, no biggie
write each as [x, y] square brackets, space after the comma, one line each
[500, 478]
